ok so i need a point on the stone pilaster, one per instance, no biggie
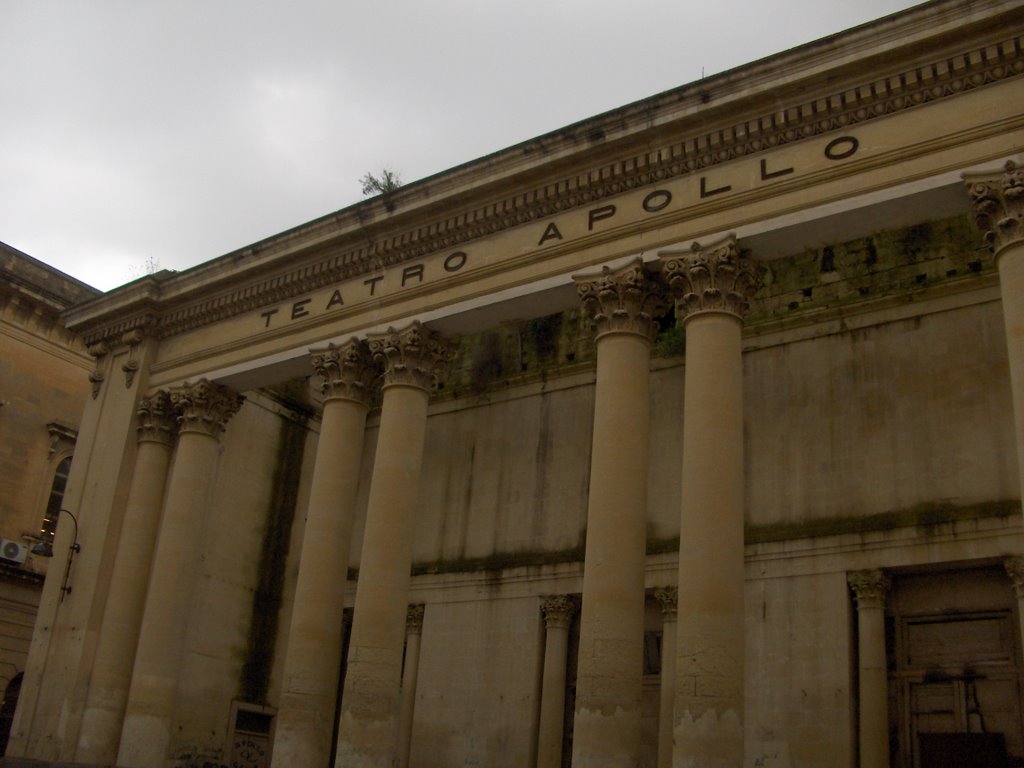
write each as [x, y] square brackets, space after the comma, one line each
[203, 410]
[999, 213]
[1015, 570]
[557, 611]
[712, 287]
[115, 649]
[869, 588]
[305, 717]
[667, 600]
[369, 729]
[410, 673]
[609, 682]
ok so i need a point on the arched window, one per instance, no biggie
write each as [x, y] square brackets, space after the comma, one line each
[55, 501]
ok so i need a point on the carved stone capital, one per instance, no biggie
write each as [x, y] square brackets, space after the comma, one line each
[869, 587]
[414, 619]
[1015, 570]
[157, 419]
[667, 597]
[999, 206]
[625, 300]
[414, 356]
[347, 370]
[558, 611]
[711, 279]
[205, 407]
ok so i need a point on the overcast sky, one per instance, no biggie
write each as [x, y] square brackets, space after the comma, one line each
[137, 133]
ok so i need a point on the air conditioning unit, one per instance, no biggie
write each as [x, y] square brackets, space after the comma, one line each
[13, 551]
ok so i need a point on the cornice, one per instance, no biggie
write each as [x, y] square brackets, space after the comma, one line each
[384, 243]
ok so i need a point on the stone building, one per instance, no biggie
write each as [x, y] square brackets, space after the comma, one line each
[689, 434]
[43, 387]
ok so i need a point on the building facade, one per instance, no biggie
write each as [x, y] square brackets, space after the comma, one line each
[43, 387]
[687, 435]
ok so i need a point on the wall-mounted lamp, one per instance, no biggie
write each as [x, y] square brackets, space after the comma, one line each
[74, 549]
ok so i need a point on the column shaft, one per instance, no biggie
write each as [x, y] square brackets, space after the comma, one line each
[712, 287]
[710, 654]
[667, 598]
[146, 733]
[368, 731]
[1011, 284]
[410, 674]
[305, 717]
[999, 213]
[869, 588]
[558, 613]
[609, 682]
[122, 616]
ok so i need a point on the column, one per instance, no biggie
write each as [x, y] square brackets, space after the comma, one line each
[666, 598]
[869, 588]
[609, 682]
[1015, 570]
[368, 731]
[999, 214]
[410, 671]
[305, 717]
[203, 410]
[558, 611]
[115, 649]
[712, 286]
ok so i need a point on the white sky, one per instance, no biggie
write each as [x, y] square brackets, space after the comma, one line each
[135, 132]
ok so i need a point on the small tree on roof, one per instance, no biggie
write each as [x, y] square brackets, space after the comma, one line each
[385, 184]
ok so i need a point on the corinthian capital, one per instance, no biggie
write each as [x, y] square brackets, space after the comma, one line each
[414, 356]
[347, 371]
[1015, 570]
[205, 407]
[869, 587]
[999, 205]
[157, 421]
[711, 279]
[625, 300]
[667, 598]
[558, 610]
[414, 619]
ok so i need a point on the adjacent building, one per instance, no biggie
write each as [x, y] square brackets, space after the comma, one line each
[690, 434]
[43, 387]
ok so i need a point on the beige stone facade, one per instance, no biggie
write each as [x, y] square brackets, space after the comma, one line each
[43, 387]
[687, 435]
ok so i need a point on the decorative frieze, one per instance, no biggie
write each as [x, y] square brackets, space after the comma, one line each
[414, 356]
[205, 407]
[999, 205]
[869, 587]
[1015, 570]
[558, 610]
[414, 619]
[787, 124]
[625, 300]
[157, 419]
[711, 279]
[347, 370]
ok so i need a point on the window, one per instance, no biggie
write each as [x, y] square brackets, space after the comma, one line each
[55, 501]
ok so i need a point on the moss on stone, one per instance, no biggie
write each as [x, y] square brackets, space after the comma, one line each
[922, 516]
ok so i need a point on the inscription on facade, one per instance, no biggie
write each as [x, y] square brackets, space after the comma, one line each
[679, 193]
